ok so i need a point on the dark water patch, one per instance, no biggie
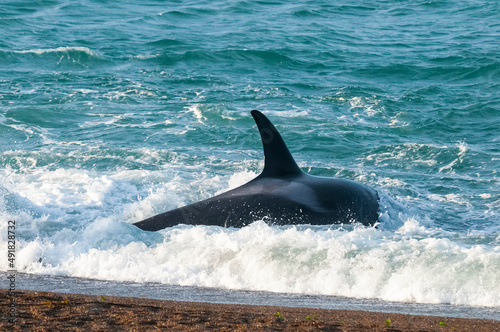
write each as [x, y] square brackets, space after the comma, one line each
[354, 10]
[189, 13]
[239, 58]
[452, 69]
[8, 58]
[490, 71]
[167, 42]
[308, 13]
[177, 14]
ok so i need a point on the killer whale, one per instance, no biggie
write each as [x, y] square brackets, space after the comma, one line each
[281, 194]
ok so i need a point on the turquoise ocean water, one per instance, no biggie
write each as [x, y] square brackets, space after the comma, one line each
[112, 112]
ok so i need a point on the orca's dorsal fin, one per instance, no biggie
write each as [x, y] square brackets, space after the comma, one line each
[278, 161]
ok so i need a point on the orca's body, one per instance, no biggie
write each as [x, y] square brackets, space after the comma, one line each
[281, 194]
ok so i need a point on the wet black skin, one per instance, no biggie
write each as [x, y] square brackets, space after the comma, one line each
[282, 194]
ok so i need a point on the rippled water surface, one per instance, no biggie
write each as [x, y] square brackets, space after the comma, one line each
[112, 112]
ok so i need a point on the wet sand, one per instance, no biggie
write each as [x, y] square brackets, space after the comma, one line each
[43, 311]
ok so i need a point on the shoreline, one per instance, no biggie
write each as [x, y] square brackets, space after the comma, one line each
[97, 287]
[43, 311]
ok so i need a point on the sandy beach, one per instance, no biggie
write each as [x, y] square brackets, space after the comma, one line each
[45, 311]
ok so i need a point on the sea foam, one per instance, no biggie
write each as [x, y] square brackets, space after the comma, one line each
[361, 263]
[62, 49]
[77, 222]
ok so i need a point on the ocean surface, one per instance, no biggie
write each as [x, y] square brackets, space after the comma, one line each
[111, 112]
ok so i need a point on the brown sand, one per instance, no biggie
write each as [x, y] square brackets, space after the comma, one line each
[42, 311]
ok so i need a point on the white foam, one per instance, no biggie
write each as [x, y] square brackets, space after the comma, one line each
[453, 198]
[115, 121]
[388, 182]
[362, 263]
[76, 222]
[369, 105]
[57, 50]
[238, 179]
[425, 155]
[288, 113]
[146, 56]
[196, 110]
[462, 149]
[86, 91]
